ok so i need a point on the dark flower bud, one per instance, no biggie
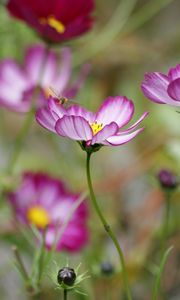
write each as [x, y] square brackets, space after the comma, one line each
[167, 179]
[107, 268]
[67, 276]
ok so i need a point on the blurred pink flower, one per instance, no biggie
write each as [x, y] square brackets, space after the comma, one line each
[103, 127]
[162, 88]
[55, 20]
[44, 201]
[42, 69]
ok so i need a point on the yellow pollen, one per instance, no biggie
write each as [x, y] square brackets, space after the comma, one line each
[48, 92]
[96, 127]
[38, 216]
[54, 23]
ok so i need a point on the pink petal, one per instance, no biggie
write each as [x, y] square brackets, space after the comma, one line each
[13, 82]
[135, 125]
[45, 118]
[115, 109]
[59, 211]
[73, 239]
[56, 108]
[77, 110]
[174, 73]
[12, 74]
[41, 65]
[155, 87]
[122, 139]
[76, 128]
[63, 76]
[107, 131]
[174, 90]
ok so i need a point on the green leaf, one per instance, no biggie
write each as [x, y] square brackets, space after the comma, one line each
[157, 282]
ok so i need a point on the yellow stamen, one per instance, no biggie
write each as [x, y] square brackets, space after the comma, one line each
[54, 23]
[96, 127]
[48, 92]
[38, 216]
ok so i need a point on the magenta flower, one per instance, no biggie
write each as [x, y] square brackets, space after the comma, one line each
[45, 201]
[101, 128]
[54, 20]
[41, 69]
[162, 88]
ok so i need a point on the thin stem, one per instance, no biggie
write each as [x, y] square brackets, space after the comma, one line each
[41, 259]
[65, 294]
[165, 229]
[29, 287]
[19, 141]
[107, 228]
[20, 263]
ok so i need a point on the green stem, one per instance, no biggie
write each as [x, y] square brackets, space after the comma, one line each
[41, 259]
[29, 288]
[19, 141]
[107, 228]
[165, 229]
[65, 294]
[20, 263]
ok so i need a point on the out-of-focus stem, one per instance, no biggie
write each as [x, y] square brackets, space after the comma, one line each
[109, 32]
[150, 9]
[65, 294]
[165, 229]
[20, 263]
[19, 141]
[107, 228]
[121, 24]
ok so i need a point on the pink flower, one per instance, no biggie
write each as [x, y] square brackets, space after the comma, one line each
[102, 128]
[41, 69]
[54, 20]
[162, 88]
[42, 200]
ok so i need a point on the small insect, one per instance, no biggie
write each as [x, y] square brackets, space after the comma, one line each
[62, 100]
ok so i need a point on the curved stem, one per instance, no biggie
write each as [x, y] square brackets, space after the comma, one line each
[107, 228]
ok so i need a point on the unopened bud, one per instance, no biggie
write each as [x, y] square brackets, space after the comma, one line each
[167, 179]
[67, 276]
[107, 268]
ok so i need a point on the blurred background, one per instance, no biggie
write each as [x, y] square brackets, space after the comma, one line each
[129, 38]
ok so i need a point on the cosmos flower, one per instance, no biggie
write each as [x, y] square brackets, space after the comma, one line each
[44, 201]
[42, 69]
[162, 88]
[103, 127]
[54, 20]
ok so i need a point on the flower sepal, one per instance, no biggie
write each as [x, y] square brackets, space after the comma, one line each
[89, 148]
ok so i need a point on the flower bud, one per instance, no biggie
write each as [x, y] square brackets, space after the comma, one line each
[167, 179]
[107, 268]
[67, 276]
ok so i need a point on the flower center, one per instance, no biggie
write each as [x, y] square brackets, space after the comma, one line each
[96, 127]
[38, 216]
[54, 23]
